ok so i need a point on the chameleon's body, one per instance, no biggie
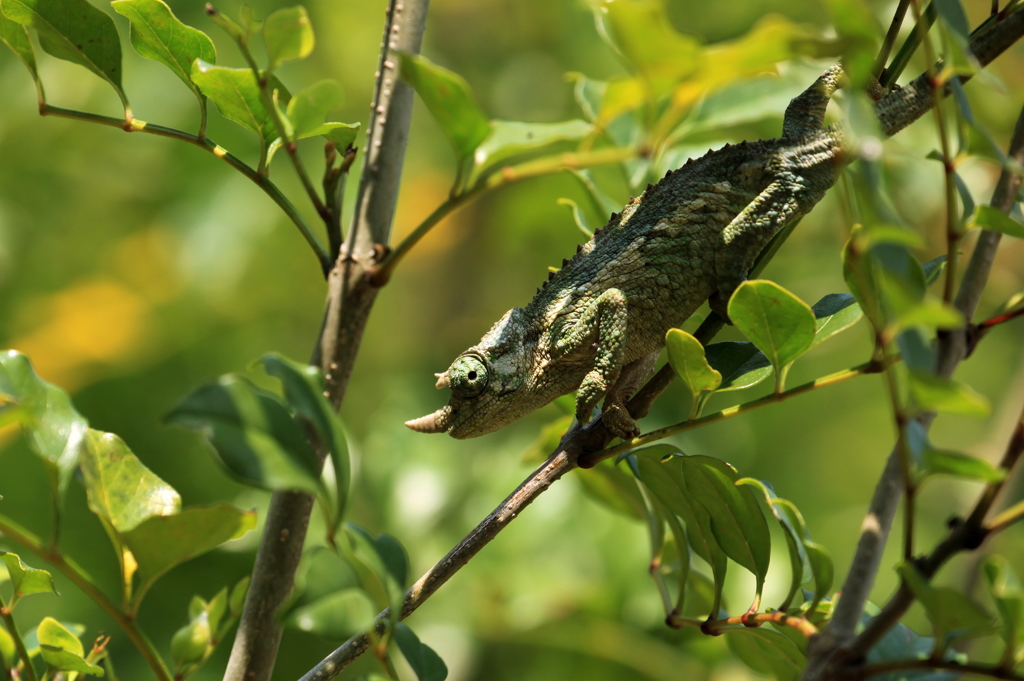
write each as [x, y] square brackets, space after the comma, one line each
[598, 324]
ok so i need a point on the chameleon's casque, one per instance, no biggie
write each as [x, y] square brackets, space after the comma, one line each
[598, 324]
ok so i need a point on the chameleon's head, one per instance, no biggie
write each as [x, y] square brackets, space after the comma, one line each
[485, 382]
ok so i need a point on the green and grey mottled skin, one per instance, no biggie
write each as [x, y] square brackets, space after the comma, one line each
[598, 324]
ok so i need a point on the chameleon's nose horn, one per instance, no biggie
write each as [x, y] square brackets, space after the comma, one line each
[436, 422]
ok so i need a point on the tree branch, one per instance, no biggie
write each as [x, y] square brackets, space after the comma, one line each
[827, 650]
[350, 297]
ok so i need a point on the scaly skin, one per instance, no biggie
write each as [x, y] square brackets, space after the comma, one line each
[598, 324]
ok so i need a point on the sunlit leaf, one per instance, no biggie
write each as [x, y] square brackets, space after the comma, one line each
[686, 355]
[834, 313]
[162, 542]
[158, 35]
[934, 393]
[120, 489]
[427, 664]
[253, 433]
[75, 31]
[190, 643]
[989, 217]
[61, 649]
[288, 35]
[25, 580]
[237, 96]
[512, 138]
[15, 36]
[55, 430]
[780, 324]
[449, 100]
[939, 462]
[308, 108]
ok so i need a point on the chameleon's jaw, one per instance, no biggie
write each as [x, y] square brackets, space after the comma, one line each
[436, 422]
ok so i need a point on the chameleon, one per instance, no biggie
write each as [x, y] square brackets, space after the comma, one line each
[598, 324]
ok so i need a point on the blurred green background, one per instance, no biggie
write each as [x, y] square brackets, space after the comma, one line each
[133, 268]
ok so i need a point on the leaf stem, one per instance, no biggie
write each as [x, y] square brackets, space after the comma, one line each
[79, 578]
[661, 433]
[19, 643]
[750, 619]
[499, 178]
[263, 182]
[890, 38]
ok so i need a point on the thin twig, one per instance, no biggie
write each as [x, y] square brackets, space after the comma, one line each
[206, 144]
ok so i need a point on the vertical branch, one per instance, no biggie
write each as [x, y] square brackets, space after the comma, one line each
[350, 298]
[827, 650]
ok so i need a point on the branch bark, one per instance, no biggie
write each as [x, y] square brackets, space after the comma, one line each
[350, 297]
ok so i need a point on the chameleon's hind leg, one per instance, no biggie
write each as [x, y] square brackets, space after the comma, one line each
[614, 413]
[603, 324]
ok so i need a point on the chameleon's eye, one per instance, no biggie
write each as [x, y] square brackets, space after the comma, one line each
[468, 376]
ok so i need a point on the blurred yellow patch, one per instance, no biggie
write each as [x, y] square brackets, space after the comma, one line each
[88, 324]
[418, 198]
[147, 260]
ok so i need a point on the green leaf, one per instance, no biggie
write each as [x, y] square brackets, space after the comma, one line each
[953, 614]
[164, 541]
[939, 462]
[237, 96]
[686, 355]
[55, 430]
[823, 570]
[512, 138]
[304, 393]
[766, 652]
[737, 522]
[61, 650]
[665, 481]
[8, 650]
[236, 601]
[930, 313]
[158, 35]
[16, 37]
[779, 324]
[336, 616]
[309, 107]
[120, 489]
[75, 31]
[933, 269]
[1005, 589]
[613, 487]
[253, 433]
[740, 363]
[190, 643]
[26, 580]
[642, 33]
[288, 35]
[989, 217]
[934, 393]
[601, 203]
[834, 313]
[427, 664]
[792, 530]
[449, 100]
[385, 559]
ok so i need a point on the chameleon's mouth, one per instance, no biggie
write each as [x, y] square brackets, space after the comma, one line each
[436, 422]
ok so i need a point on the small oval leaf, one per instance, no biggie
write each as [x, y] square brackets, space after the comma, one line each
[686, 355]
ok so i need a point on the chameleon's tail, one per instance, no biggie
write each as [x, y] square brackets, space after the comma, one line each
[902, 107]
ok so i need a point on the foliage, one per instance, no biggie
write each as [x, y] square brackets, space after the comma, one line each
[277, 430]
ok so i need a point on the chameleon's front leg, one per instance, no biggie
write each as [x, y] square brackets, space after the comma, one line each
[603, 323]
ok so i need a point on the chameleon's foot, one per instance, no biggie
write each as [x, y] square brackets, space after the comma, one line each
[617, 419]
[590, 392]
